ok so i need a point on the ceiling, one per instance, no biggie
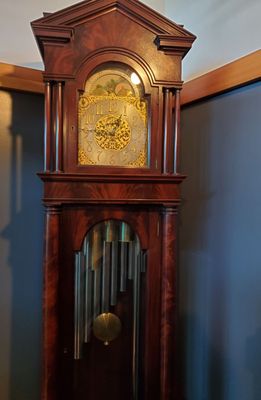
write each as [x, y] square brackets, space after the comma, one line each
[226, 30]
[17, 43]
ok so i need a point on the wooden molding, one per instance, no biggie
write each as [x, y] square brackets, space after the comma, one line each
[237, 73]
[21, 78]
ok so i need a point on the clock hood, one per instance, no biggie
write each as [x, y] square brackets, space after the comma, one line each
[60, 27]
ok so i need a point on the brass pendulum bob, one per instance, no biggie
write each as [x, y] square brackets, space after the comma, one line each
[106, 327]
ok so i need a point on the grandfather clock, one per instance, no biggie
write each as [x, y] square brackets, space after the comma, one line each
[111, 192]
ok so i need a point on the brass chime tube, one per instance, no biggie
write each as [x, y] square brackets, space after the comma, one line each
[110, 231]
[123, 265]
[131, 260]
[96, 293]
[125, 238]
[114, 273]
[125, 232]
[96, 248]
[96, 258]
[106, 266]
[143, 262]
[88, 292]
[112, 235]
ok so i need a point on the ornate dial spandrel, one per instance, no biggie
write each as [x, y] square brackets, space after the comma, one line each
[113, 120]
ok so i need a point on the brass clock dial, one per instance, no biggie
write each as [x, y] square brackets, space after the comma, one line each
[113, 121]
[112, 132]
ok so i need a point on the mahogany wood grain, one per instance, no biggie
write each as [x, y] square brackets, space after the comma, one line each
[152, 309]
[74, 43]
[237, 73]
[137, 10]
[168, 305]
[104, 370]
[122, 192]
[116, 17]
[50, 304]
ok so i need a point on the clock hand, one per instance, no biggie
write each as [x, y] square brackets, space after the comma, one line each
[118, 122]
[115, 126]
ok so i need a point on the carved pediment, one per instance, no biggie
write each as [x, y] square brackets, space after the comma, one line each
[59, 27]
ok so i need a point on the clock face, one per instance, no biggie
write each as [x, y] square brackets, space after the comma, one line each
[113, 120]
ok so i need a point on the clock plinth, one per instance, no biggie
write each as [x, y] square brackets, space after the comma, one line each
[112, 192]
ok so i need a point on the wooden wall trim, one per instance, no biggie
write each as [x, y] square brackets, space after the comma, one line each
[237, 73]
[21, 78]
[230, 76]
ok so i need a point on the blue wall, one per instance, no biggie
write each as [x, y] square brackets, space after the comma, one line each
[220, 271]
[21, 244]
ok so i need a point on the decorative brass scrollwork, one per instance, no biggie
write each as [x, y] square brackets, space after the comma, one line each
[112, 132]
[113, 117]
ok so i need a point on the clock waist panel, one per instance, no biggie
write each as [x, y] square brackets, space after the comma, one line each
[113, 192]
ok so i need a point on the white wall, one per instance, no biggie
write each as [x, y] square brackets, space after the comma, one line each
[17, 43]
[225, 30]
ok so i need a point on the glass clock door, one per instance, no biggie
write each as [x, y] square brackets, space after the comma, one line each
[108, 258]
[110, 264]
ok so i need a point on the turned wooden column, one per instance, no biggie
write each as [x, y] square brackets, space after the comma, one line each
[47, 130]
[59, 128]
[53, 136]
[168, 155]
[177, 133]
[168, 304]
[50, 303]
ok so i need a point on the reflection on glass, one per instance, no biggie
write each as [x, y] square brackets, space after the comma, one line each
[135, 79]
[113, 119]
[111, 255]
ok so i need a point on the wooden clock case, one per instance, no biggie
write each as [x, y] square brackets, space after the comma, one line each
[73, 43]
